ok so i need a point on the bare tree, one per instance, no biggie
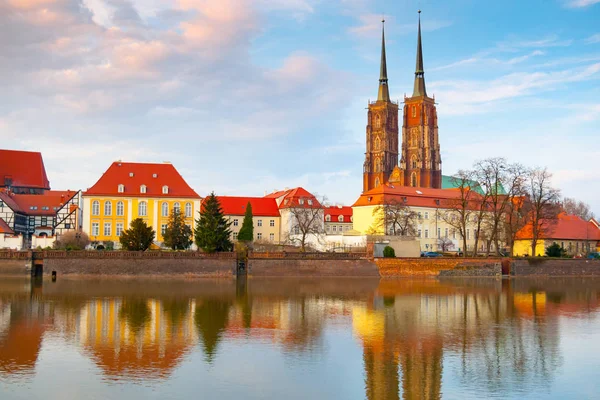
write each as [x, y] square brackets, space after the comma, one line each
[458, 211]
[445, 244]
[577, 207]
[395, 218]
[544, 204]
[306, 220]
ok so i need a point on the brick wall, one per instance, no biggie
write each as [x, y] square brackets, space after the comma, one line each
[308, 268]
[140, 267]
[555, 267]
[19, 267]
[395, 267]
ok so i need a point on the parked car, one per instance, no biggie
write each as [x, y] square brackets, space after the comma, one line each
[432, 254]
[593, 256]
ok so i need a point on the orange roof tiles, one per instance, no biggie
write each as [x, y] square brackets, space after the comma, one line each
[24, 168]
[4, 228]
[567, 227]
[261, 206]
[133, 175]
[37, 204]
[292, 198]
[336, 211]
[415, 197]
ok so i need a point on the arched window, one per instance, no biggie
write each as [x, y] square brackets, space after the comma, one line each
[414, 111]
[120, 209]
[188, 210]
[95, 207]
[377, 182]
[341, 218]
[413, 161]
[377, 121]
[107, 208]
[165, 189]
[176, 208]
[142, 209]
[143, 189]
[121, 188]
[165, 209]
[413, 179]
[377, 144]
[328, 218]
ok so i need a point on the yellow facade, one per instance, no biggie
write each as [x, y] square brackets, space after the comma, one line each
[572, 247]
[266, 228]
[102, 225]
[363, 219]
[523, 248]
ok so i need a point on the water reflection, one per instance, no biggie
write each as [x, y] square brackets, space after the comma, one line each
[419, 339]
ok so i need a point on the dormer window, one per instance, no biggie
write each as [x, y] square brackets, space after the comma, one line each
[309, 202]
[328, 218]
[131, 174]
[121, 188]
[143, 189]
[154, 175]
[301, 201]
[341, 218]
[165, 189]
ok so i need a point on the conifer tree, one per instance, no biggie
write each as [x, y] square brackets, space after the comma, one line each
[212, 229]
[247, 230]
[138, 237]
[177, 236]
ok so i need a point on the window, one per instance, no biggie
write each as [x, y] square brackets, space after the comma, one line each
[67, 226]
[413, 162]
[272, 222]
[176, 208]
[95, 207]
[426, 233]
[377, 121]
[341, 218]
[44, 221]
[165, 209]
[439, 232]
[468, 234]
[121, 188]
[131, 174]
[414, 111]
[120, 209]
[426, 215]
[259, 222]
[419, 214]
[453, 233]
[188, 210]
[419, 233]
[334, 228]
[259, 236]
[235, 235]
[446, 233]
[143, 209]
[143, 189]
[301, 201]
[95, 228]
[376, 184]
[165, 189]
[271, 237]
[107, 208]
[119, 229]
[107, 226]
[340, 228]
[309, 202]
[296, 230]
[235, 222]
[413, 180]
[163, 229]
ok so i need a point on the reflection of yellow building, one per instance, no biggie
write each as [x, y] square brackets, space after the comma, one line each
[137, 338]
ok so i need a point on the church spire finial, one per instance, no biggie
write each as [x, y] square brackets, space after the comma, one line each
[384, 93]
[419, 89]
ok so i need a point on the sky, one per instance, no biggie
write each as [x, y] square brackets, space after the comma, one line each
[248, 96]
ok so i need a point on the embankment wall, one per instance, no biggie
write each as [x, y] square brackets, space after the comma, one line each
[399, 267]
[555, 267]
[305, 268]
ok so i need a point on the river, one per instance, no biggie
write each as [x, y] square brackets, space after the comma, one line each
[300, 339]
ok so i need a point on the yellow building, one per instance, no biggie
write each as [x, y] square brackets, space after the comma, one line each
[127, 191]
[265, 216]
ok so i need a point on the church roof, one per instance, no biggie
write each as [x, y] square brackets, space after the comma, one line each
[419, 88]
[566, 227]
[450, 182]
[133, 175]
[23, 168]
[384, 91]
[261, 206]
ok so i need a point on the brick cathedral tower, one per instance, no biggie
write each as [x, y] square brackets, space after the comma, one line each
[420, 163]
[382, 132]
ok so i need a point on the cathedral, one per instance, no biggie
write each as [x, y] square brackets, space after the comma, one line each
[417, 162]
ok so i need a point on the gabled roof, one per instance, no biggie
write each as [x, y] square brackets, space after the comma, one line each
[566, 227]
[290, 198]
[48, 203]
[261, 206]
[24, 168]
[411, 196]
[336, 211]
[133, 175]
[4, 228]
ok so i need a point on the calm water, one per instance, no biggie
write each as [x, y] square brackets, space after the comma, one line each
[290, 339]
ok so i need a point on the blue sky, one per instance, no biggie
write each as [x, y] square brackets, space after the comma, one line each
[247, 96]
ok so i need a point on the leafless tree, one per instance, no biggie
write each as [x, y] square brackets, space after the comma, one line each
[577, 207]
[544, 204]
[458, 211]
[306, 220]
[445, 244]
[395, 218]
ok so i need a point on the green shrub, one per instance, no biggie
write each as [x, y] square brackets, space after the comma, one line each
[555, 251]
[388, 252]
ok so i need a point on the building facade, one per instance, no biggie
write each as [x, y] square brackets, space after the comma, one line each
[338, 219]
[300, 211]
[127, 191]
[265, 217]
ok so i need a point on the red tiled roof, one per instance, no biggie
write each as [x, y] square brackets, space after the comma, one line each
[261, 206]
[38, 204]
[566, 227]
[4, 228]
[134, 175]
[291, 197]
[415, 197]
[336, 211]
[25, 168]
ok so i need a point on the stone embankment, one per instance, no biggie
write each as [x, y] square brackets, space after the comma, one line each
[433, 267]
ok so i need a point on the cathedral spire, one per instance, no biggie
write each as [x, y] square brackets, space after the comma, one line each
[419, 89]
[384, 93]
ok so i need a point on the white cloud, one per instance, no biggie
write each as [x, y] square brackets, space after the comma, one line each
[580, 3]
[593, 39]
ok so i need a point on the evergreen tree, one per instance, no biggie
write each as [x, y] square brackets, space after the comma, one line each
[138, 237]
[247, 230]
[177, 236]
[212, 229]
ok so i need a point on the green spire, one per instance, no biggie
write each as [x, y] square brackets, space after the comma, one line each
[384, 93]
[419, 89]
